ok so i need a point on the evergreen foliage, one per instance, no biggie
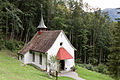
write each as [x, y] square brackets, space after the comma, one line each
[114, 57]
[93, 34]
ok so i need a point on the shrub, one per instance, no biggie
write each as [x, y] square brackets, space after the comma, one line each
[73, 68]
[13, 45]
[87, 66]
[78, 60]
[2, 44]
[10, 45]
[100, 68]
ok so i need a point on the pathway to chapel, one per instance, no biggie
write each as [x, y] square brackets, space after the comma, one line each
[71, 74]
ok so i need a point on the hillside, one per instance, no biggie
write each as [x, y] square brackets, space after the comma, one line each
[90, 33]
[12, 69]
[91, 75]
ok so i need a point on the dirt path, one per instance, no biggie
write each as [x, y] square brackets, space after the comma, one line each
[71, 74]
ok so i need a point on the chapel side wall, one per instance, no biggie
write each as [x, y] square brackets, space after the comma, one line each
[55, 47]
[21, 59]
[27, 58]
[69, 63]
[37, 60]
[43, 66]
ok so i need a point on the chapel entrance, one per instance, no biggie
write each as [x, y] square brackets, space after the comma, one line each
[62, 65]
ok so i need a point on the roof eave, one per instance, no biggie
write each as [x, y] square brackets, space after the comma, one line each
[68, 41]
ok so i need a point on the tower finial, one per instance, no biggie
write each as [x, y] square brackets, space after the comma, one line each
[41, 27]
[41, 24]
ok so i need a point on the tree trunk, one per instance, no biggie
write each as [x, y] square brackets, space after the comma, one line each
[21, 35]
[22, 30]
[100, 55]
[85, 56]
[6, 26]
[93, 43]
[11, 35]
[70, 36]
[26, 39]
[56, 75]
[91, 47]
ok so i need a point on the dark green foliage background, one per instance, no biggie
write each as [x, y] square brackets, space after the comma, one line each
[93, 34]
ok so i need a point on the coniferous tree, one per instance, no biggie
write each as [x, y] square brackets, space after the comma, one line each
[114, 57]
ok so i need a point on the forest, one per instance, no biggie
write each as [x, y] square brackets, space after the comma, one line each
[95, 36]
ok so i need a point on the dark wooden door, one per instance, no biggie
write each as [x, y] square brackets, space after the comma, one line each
[62, 64]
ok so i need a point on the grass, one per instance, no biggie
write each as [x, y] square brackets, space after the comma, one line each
[12, 69]
[91, 75]
[64, 78]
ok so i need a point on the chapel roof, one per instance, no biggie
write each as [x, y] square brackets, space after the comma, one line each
[41, 42]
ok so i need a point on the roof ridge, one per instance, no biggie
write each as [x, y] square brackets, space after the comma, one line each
[41, 42]
[54, 30]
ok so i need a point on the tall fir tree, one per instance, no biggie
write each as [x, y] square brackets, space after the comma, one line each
[114, 57]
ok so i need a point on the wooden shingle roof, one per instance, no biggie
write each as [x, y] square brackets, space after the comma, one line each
[41, 42]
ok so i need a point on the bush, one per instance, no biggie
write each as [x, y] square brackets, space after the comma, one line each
[78, 60]
[2, 44]
[13, 45]
[10, 45]
[73, 68]
[87, 66]
[100, 68]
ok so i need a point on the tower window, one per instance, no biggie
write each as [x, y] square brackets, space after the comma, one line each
[61, 43]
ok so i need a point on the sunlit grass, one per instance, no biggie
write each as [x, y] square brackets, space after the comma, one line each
[12, 69]
[91, 75]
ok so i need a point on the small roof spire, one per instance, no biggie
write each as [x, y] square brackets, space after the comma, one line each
[41, 24]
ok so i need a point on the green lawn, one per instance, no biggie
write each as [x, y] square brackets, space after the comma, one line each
[64, 78]
[12, 69]
[90, 75]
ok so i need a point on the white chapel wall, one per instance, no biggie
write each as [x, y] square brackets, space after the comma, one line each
[27, 58]
[21, 58]
[37, 60]
[55, 47]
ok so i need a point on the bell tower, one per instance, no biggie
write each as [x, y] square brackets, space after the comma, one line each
[41, 27]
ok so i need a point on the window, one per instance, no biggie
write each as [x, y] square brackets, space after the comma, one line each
[61, 43]
[40, 59]
[33, 57]
[21, 57]
[18, 57]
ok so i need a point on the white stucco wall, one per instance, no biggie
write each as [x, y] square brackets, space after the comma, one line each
[52, 51]
[37, 60]
[27, 59]
[21, 59]
[55, 47]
